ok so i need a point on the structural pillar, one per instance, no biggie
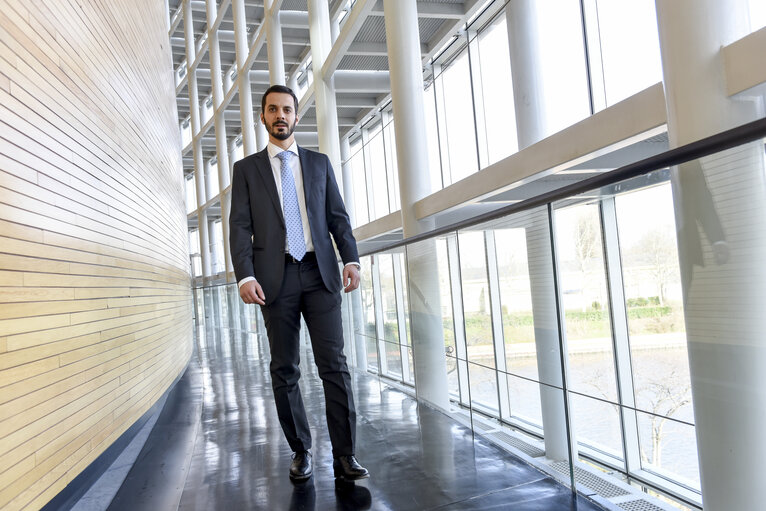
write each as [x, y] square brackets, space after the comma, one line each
[222, 149]
[324, 91]
[526, 71]
[529, 103]
[406, 73]
[199, 164]
[261, 134]
[274, 45]
[720, 208]
[293, 82]
[243, 77]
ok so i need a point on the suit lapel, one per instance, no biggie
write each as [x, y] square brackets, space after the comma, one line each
[263, 167]
[308, 175]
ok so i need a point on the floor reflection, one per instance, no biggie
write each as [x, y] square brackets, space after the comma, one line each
[418, 457]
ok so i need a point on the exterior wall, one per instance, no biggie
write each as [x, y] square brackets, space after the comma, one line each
[95, 303]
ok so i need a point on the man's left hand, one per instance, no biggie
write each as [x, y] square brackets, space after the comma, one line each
[351, 278]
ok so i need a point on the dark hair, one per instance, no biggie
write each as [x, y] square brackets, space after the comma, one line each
[278, 88]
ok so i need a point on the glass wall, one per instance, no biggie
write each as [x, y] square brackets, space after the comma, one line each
[609, 266]
[468, 94]
[191, 193]
[623, 48]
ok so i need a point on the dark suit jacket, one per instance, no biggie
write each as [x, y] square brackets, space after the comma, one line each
[257, 227]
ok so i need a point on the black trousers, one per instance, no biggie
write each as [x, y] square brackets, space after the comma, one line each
[304, 292]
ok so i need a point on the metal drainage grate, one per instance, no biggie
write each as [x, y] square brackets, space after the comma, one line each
[592, 481]
[639, 505]
[482, 426]
[519, 444]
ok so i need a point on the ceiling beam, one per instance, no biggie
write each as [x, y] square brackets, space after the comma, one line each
[354, 21]
[430, 10]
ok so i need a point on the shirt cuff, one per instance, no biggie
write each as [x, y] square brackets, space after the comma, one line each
[358, 266]
[246, 279]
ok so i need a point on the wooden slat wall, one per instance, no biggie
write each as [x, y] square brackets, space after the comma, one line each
[95, 301]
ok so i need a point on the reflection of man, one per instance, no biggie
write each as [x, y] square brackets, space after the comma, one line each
[285, 204]
[697, 207]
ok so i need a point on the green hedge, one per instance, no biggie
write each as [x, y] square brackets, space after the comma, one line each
[584, 324]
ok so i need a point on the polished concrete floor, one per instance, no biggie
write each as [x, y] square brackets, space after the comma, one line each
[217, 446]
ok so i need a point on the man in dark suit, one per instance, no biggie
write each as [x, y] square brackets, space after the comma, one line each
[285, 204]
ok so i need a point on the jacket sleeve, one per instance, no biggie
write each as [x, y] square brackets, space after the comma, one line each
[241, 225]
[337, 218]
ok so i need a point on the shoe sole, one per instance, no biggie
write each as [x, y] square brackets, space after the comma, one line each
[299, 479]
[350, 479]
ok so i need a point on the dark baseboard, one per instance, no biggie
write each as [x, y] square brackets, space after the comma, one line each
[72, 493]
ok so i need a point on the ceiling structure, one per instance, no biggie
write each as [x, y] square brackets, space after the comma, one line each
[358, 63]
[361, 76]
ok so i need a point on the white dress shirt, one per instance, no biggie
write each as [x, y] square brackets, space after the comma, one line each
[276, 169]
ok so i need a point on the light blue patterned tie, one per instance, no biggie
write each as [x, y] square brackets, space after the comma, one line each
[296, 244]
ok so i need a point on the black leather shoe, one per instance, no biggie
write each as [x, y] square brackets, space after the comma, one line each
[301, 467]
[346, 467]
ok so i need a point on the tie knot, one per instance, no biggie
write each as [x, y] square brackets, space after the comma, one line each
[284, 156]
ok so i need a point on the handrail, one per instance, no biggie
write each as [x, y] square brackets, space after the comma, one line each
[703, 147]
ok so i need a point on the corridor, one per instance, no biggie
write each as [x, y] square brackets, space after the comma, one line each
[220, 422]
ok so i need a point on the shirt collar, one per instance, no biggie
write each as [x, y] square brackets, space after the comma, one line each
[274, 149]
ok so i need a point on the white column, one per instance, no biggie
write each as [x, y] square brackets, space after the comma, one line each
[527, 73]
[274, 45]
[541, 283]
[720, 207]
[529, 103]
[243, 77]
[406, 73]
[261, 134]
[324, 91]
[199, 164]
[292, 82]
[222, 149]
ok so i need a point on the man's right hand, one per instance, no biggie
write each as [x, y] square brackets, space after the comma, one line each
[251, 292]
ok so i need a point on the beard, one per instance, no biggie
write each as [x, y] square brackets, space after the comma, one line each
[273, 130]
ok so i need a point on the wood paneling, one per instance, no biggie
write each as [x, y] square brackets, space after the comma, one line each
[95, 299]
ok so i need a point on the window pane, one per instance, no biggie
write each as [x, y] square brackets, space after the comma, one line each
[658, 347]
[360, 184]
[669, 448]
[494, 65]
[216, 247]
[391, 166]
[452, 378]
[483, 388]
[478, 320]
[191, 193]
[410, 377]
[516, 302]
[652, 282]
[377, 162]
[442, 261]
[460, 146]
[368, 310]
[212, 178]
[562, 63]
[584, 296]
[390, 320]
[757, 15]
[432, 133]
[624, 48]
[597, 425]
[524, 396]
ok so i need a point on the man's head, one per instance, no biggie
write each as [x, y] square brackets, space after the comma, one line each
[279, 107]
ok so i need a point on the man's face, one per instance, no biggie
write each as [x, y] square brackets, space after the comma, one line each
[279, 116]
